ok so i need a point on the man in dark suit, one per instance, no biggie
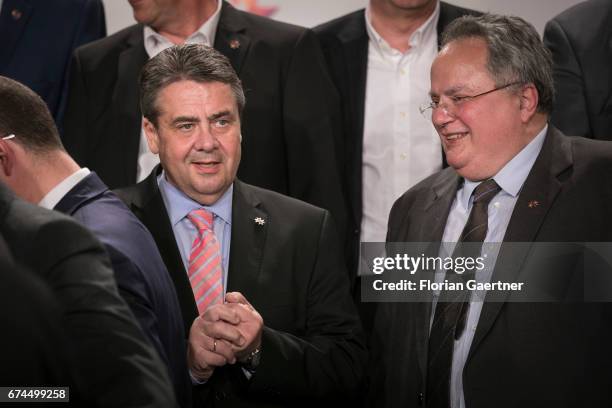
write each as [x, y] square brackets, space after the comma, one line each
[289, 124]
[580, 40]
[512, 178]
[33, 346]
[37, 168]
[38, 38]
[115, 364]
[262, 288]
[369, 53]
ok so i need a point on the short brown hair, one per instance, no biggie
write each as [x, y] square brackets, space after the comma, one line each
[24, 114]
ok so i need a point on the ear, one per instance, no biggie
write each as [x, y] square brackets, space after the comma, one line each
[151, 134]
[7, 158]
[529, 99]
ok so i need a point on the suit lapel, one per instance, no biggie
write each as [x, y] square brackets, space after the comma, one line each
[533, 204]
[354, 39]
[152, 212]
[250, 224]
[14, 17]
[435, 212]
[125, 102]
[230, 39]
[605, 79]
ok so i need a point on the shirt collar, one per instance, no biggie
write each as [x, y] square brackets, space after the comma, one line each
[179, 205]
[422, 35]
[512, 176]
[58, 192]
[155, 43]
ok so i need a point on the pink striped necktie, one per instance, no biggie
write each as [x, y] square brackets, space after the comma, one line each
[205, 268]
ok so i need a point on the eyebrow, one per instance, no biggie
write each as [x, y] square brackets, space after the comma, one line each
[450, 91]
[181, 119]
[218, 115]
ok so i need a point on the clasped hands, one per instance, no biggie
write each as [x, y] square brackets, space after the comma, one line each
[224, 334]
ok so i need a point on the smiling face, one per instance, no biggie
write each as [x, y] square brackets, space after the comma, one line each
[481, 135]
[197, 137]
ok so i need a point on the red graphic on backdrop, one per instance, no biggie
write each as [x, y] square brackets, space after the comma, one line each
[252, 7]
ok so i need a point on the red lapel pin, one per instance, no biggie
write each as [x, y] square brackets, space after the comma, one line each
[533, 204]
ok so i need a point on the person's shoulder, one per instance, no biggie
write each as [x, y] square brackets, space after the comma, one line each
[457, 11]
[262, 28]
[583, 12]
[592, 153]
[280, 205]
[111, 46]
[340, 24]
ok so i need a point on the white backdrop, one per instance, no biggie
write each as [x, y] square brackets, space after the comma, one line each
[312, 12]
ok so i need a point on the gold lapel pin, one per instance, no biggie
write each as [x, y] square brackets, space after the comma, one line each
[16, 14]
[260, 221]
[234, 44]
[533, 204]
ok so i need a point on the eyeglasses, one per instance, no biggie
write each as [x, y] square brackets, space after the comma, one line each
[8, 137]
[456, 101]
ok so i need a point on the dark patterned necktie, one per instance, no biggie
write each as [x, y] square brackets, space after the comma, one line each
[451, 310]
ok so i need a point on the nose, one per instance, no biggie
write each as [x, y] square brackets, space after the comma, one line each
[441, 115]
[206, 140]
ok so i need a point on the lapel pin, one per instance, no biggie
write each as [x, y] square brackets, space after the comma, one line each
[260, 221]
[234, 44]
[533, 204]
[16, 14]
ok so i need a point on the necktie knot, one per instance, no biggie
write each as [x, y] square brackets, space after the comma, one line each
[485, 191]
[202, 219]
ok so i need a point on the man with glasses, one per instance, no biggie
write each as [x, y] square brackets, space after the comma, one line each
[512, 178]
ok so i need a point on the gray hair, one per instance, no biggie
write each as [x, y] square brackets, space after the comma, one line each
[191, 62]
[516, 53]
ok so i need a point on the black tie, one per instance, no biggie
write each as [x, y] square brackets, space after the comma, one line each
[451, 310]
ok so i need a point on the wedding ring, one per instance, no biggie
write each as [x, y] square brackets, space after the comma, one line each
[214, 345]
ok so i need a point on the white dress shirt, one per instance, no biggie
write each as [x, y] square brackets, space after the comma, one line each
[155, 43]
[511, 179]
[400, 147]
[55, 195]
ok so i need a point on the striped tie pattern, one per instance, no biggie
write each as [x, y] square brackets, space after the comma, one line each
[205, 268]
[451, 310]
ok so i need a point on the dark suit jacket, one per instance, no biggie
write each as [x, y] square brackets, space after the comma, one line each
[38, 38]
[291, 272]
[116, 365]
[142, 278]
[549, 354]
[580, 40]
[288, 125]
[33, 347]
[345, 46]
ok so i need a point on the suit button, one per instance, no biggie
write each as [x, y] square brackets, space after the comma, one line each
[421, 398]
[356, 231]
[220, 395]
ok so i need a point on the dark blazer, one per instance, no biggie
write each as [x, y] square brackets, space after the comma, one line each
[33, 347]
[142, 278]
[523, 354]
[116, 364]
[291, 272]
[345, 46]
[288, 125]
[580, 40]
[38, 38]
